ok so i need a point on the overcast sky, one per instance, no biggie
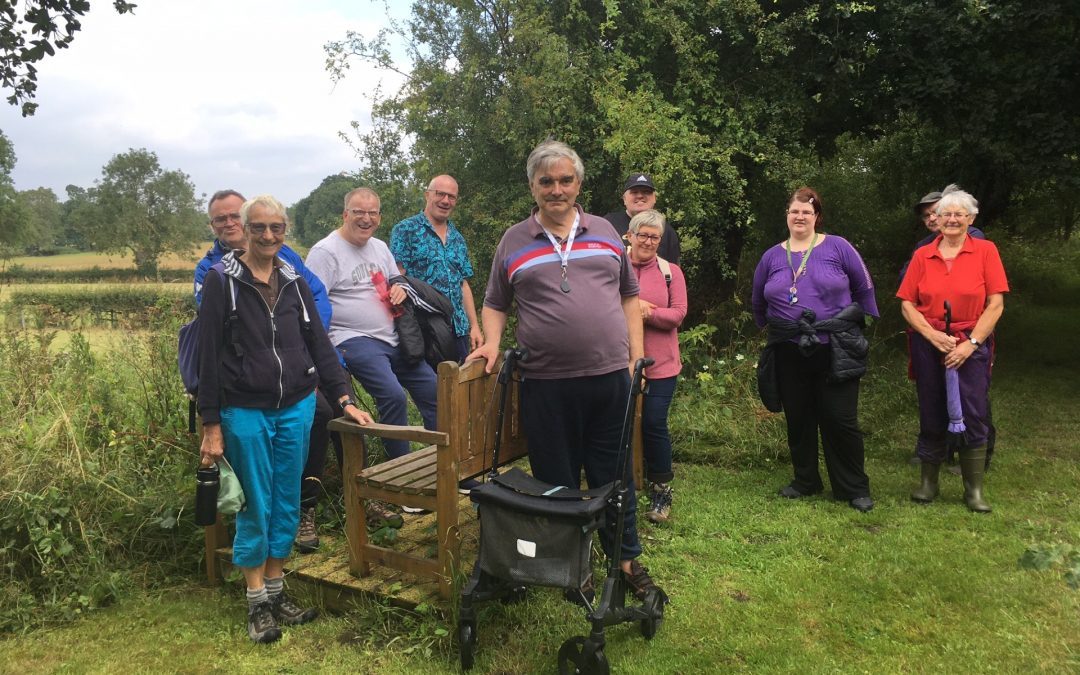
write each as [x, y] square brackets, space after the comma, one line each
[232, 92]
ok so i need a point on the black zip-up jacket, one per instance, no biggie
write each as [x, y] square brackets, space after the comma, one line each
[261, 357]
[426, 328]
[848, 348]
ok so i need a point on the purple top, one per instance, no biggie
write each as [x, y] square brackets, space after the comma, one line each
[835, 276]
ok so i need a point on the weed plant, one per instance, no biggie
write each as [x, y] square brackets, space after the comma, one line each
[96, 472]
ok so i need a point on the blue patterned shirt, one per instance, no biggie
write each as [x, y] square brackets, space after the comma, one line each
[418, 249]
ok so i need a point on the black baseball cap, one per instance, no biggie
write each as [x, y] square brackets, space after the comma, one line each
[643, 180]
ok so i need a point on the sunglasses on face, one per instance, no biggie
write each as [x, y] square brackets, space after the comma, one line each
[260, 228]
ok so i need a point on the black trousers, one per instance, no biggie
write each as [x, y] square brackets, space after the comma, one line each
[810, 405]
[574, 423]
[311, 482]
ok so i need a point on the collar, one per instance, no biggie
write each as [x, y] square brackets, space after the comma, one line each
[431, 225]
[537, 230]
[236, 269]
[966, 247]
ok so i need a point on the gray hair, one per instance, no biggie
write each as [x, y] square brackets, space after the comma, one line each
[222, 194]
[361, 191]
[267, 202]
[648, 218]
[952, 197]
[549, 152]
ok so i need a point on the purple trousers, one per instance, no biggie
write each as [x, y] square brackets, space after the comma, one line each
[926, 363]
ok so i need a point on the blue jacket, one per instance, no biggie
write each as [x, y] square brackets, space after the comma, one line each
[318, 290]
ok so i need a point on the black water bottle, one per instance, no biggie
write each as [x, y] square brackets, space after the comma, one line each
[206, 493]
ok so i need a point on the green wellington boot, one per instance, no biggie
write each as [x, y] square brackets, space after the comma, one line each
[972, 466]
[928, 491]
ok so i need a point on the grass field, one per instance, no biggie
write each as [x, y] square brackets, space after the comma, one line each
[758, 583]
[85, 261]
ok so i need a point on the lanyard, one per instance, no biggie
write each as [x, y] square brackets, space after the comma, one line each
[563, 251]
[793, 292]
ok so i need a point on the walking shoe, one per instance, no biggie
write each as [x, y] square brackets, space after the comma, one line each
[288, 613]
[660, 495]
[262, 627]
[380, 515]
[790, 492]
[307, 537]
[583, 596]
[466, 486]
[639, 582]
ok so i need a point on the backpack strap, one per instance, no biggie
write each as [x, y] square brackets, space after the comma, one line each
[233, 322]
[665, 269]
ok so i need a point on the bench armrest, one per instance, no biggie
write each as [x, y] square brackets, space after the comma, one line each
[392, 431]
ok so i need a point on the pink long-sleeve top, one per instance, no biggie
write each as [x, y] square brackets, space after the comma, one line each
[661, 329]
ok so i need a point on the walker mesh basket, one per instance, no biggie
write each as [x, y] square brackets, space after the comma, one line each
[537, 534]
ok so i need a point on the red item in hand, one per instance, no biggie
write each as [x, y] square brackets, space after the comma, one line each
[383, 289]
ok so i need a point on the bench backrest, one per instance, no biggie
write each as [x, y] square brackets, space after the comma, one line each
[468, 410]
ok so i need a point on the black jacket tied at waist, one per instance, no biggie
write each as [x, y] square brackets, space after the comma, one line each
[848, 348]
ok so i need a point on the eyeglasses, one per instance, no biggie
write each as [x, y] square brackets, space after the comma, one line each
[260, 228]
[953, 214]
[650, 238]
[356, 213]
[440, 195]
[224, 218]
[548, 181]
[796, 212]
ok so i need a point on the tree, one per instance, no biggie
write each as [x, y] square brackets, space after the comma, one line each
[14, 228]
[729, 105]
[78, 214]
[143, 209]
[42, 19]
[43, 214]
[319, 213]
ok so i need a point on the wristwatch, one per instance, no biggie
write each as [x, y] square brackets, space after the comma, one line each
[973, 341]
[346, 403]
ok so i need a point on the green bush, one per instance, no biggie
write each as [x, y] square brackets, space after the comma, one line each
[96, 474]
[124, 305]
[27, 275]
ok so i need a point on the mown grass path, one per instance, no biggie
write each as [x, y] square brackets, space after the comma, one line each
[759, 583]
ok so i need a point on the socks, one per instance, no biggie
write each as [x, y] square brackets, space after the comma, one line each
[274, 586]
[257, 596]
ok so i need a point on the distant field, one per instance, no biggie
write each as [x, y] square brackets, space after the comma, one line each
[85, 261]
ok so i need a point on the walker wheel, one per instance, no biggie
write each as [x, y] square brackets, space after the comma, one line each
[514, 595]
[578, 656]
[467, 644]
[654, 605]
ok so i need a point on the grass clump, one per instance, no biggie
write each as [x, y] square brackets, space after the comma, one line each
[94, 475]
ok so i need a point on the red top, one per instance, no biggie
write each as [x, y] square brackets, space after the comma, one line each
[975, 274]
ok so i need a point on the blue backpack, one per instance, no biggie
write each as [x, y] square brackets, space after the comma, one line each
[187, 350]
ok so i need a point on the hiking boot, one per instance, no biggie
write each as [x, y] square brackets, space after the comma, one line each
[307, 537]
[583, 596]
[288, 613]
[262, 627]
[660, 495]
[639, 582]
[380, 515]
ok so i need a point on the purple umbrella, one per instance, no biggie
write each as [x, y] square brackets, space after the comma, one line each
[952, 391]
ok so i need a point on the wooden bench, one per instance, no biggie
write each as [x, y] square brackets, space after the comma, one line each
[428, 478]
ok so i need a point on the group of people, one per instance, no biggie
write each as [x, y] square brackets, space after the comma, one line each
[813, 293]
[280, 337]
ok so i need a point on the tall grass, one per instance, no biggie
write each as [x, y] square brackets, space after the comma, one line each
[95, 474]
